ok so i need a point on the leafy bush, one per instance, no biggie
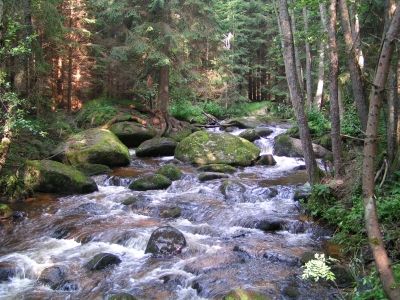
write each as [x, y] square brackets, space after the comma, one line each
[95, 113]
[213, 108]
[318, 123]
[350, 124]
[185, 110]
[319, 268]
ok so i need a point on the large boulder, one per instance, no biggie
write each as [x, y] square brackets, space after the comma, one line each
[250, 135]
[166, 241]
[220, 168]
[207, 176]
[157, 147]
[53, 276]
[243, 123]
[102, 260]
[291, 147]
[53, 177]
[204, 148]
[132, 134]
[150, 182]
[94, 146]
[170, 171]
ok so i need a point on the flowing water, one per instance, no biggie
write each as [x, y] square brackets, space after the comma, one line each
[225, 249]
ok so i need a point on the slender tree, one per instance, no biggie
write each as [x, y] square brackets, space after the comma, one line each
[375, 238]
[295, 92]
[308, 59]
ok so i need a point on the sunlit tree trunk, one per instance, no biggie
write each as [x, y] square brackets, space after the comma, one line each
[295, 93]
[308, 60]
[299, 68]
[321, 77]
[375, 238]
[355, 28]
[355, 72]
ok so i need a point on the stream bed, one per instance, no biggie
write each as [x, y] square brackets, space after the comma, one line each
[231, 243]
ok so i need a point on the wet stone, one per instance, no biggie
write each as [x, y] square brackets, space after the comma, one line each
[171, 212]
[102, 261]
[121, 296]
[90, 209]
[68, 286]
[7, 271]
[207, 176]
[270, 225]
[53, 276]
[166, 241]
[344, 279]
[266, 160]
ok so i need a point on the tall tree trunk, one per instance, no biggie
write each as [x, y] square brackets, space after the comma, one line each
[308, 60]
[392, 112]
[355, 72]
[355, 29]
[321, 77]
[334, 86]
[69, 85]
[7, 136]
[299, 68]
[295, 93]
[163, 96]
[375, 238]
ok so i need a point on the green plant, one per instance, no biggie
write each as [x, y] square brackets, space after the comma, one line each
[318, 123]
[319, 268]
[95, 113]
[350, 123]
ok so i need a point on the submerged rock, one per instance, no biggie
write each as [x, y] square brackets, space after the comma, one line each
[266, 160]
[166, 241]
[170, 171]
[263, 132]
[205, 148]
[219, 168]
[291, 147]
[233, 191]
[206, 176]
[270, 225]
[93, 169]
[156, 147]
[94, 146]
[53, 177]
[7, 271]
[121, 296]
[132, 134]
[53, 276]
[102, 261]
[171, 212]
[150, 182]
[240, 294]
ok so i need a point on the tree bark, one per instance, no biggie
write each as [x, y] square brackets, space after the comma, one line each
[299, 68]
[375, 238]
[355, 28]
[334, 87]
[321, 76]
[295, 93]
[392, 112]
[163, 96]
[355, 72]
[308, 60]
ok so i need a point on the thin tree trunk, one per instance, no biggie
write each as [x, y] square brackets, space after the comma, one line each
[355, 72]
[295, 93]
[392, 115]
[308, 60]
[69, 86]
[375, 238]
[299, 68]
[5, 142]
[334, 86]
[321, 76]
[163, 96]
[355, 29]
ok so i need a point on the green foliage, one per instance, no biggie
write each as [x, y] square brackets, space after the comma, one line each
[318, 122]
[95, 113]
[318, 268]
[350, 124]
[185, 110]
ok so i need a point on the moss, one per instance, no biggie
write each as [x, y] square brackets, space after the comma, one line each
[95, 146]
[93, 169]
[54, 177]
[221, 168]
[132, 134]
[5, 211]
[204, 148]
[150, 182]
[240, 294]
[172, 172]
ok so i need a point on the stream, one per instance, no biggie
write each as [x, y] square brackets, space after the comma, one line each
[226, 246]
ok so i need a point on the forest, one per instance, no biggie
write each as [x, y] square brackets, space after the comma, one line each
[189, 149]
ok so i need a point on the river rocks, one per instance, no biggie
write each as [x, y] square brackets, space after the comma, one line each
[121, 296]
[156, 147]
[90, 208]
[263, 131]
[53, 177]
[206, 176]
[5, 211]
[166, 241]
[171, 212]
[94, 146]
[291, 147]
[233, 190]
[219, 168]
[7, 271]
[170, 171]
[102, 261]
[250, 135]
[302, 193]
[243, 123]
[270, 225]
[266, 160]
[93, 169]
[180, 135]
[132, 134]
[240, 294]
[205, 148]
[150, 182]
[53, 276]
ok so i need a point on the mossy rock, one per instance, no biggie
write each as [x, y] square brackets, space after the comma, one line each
[291, 147]
[121, 296]
[94, 146]
[249, 134]
[130, 200]
[244, 122]
[93, 169]
[220, 168]
[266, 160]
[240, 294]
[170, 171]
[324, 141]
[180, 135]
[207, 176]
[171, 212]
[150, 182]
[204, 148]
[132, 134]
[156, 147]
[5, 211]
[53, 177]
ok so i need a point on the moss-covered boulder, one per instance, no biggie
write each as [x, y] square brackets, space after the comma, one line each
[180, 135]
[205, 148]
[207, 176]
[5, 211]
[171, 212]
[250, 135]
[150, 182]
[220, 168]
[291, 147]
[156, 147]
[170, 171]
[132, 134]
[94, 146]
[53, 177]
[93, 169]
[243, 123]
[240, 294]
